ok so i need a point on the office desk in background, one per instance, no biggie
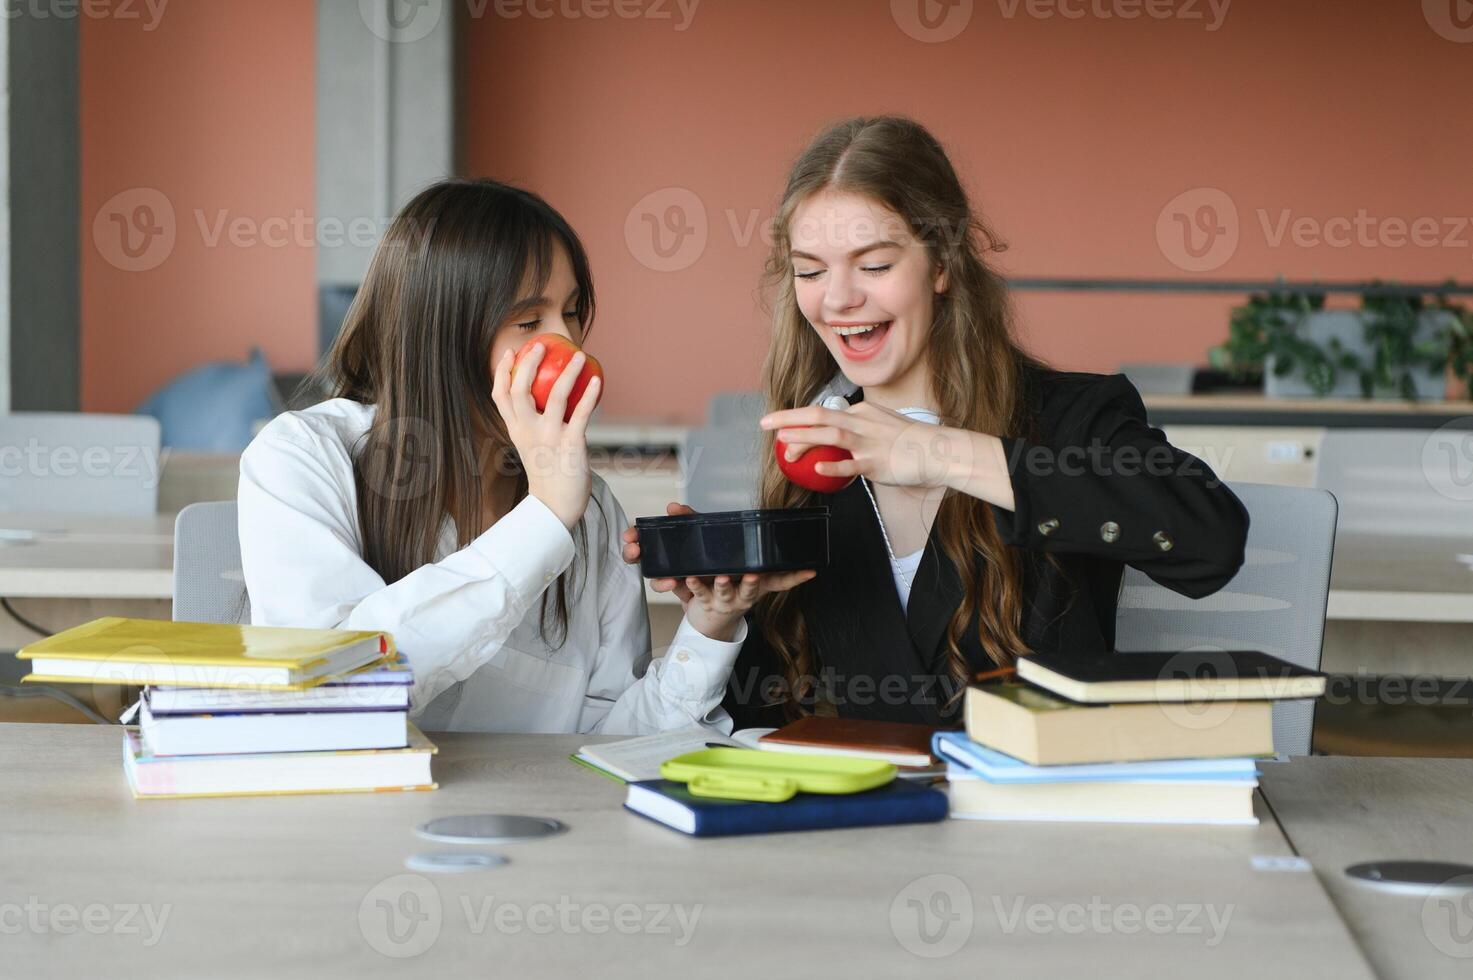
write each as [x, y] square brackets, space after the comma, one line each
[316, 886]
[76, 556]
[61, 570]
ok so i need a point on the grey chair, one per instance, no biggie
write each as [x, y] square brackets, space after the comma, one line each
[208, 584]
[1160, 379]
[1416, 482]
[1276, 602]
[735, 408]
[720, 467]
[79, 463]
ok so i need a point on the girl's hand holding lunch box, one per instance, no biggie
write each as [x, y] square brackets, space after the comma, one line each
[715, 606]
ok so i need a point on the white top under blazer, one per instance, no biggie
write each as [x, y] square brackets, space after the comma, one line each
[468, 622]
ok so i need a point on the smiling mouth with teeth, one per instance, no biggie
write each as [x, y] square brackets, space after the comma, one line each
[863, 338]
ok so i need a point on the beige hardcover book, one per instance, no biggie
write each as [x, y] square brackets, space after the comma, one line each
[1034, 725]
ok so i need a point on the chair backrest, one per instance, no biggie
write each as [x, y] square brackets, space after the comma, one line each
[1151, 378]
[1401, 481]
[720, 467]
[208, 584]
[79, 463]
[735, 408]
[1276, 602]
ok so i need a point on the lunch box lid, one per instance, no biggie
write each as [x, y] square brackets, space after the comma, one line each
[775, 515]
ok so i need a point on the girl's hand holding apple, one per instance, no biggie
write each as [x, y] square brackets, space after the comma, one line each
[558, 353]
[550, 437]
[881, 445]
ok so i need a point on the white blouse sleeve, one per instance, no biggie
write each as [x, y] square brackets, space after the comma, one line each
[631, 692]
[300, 555]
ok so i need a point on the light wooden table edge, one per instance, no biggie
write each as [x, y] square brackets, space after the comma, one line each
[1401, 607]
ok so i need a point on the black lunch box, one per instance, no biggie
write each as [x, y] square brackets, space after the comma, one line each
[733, 542]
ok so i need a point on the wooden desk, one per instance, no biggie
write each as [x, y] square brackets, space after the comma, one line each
[1402, 578]
[1338, 812]
[68, 556]
[314, 886]
[1253, 409]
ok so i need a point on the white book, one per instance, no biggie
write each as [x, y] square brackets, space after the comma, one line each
[636, 759]
[296, 731]
[271, 774]
[385, 686]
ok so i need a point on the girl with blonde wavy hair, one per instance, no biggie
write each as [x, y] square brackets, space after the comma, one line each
[996, 501]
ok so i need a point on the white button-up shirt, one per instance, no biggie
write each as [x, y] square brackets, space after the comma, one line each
[468, 622]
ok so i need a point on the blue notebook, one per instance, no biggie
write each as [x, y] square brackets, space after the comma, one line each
[980, 762]
[672, 804]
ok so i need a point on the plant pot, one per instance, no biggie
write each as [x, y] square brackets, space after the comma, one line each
[1348, 327]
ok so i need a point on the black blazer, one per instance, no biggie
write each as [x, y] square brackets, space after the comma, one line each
[1097, 488]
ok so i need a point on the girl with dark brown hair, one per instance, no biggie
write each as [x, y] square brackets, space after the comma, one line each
[429, 498]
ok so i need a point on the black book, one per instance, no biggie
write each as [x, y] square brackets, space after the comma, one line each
[1205, 675]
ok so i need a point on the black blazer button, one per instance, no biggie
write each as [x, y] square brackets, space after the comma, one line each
[1049, 526]
[1110, 532]
[1163, 540]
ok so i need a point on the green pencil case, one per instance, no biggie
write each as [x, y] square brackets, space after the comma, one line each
[772, 777]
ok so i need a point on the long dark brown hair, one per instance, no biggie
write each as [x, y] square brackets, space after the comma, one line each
[416, 343]
[977, 371]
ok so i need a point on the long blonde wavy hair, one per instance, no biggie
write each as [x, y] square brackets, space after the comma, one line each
[899, 164]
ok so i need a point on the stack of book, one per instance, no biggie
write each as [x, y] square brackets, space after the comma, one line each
[640, 763]
[1140, 737]
[249, 710]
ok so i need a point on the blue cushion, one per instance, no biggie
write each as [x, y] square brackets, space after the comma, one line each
[214, 407]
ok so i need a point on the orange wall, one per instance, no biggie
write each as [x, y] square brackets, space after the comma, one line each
[210, 112]
[1073, 134]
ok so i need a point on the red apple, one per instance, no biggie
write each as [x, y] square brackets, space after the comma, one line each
[801, 471]
[560, 351]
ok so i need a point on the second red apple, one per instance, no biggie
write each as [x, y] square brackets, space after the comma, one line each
[802, 470]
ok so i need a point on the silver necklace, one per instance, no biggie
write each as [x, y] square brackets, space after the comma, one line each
[920, 415]
[889, 549]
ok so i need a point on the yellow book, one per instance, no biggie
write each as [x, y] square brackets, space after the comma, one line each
[139, 652]
[278, 773]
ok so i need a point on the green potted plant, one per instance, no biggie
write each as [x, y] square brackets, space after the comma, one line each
[1397, 345]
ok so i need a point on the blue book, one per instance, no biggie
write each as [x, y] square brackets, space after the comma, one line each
[980, 762]
[673, 805]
